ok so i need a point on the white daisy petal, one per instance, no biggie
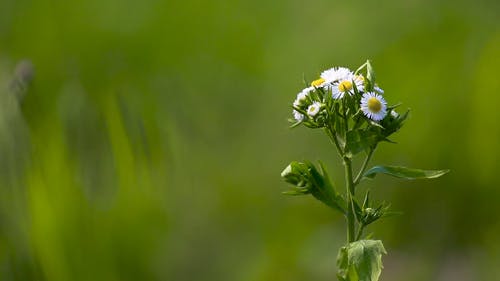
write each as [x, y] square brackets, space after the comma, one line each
[373, 106]
[335, 74]
[378, 90]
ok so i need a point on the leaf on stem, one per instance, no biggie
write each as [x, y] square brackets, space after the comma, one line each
[404, 173]
[370, 73]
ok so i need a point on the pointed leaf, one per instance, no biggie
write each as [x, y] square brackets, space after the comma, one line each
[404, 173]
[370, 73]
[324, 191]
[366, 201]
[296, 192]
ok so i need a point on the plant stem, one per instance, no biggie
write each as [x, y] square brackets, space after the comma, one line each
[331, 133]
[363, 166]
[360, 232]
[350, 200]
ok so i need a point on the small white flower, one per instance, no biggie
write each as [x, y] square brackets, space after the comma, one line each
[318, 83]
[335, 74]
[394, 114]
[314, 108]
[298, 116]
[346, 86]
[302, 96]
[359, 81]
[374, 106]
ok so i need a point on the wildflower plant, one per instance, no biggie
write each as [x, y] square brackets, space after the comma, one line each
[350, 107]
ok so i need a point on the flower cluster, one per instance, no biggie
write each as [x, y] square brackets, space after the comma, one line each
[351, 109]
[339, 88]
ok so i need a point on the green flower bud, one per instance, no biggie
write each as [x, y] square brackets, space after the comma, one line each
[369, 211]
[297, 174]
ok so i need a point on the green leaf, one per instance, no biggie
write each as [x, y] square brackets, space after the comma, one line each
[370, 73]
[392, 123]
[359, 140]
[358, 211]
[360, 261]
[366, 201]
[404, 173]
[360, 68]
[296, 192]
[324, 191]
[295, 123]
[343, 265]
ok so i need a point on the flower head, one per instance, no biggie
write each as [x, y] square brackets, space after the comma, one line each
[359, 80]
[301, 102]
[346, 85]
[335, 74]
[299, 117]
[373, 106]
[318, 83]
[314, 108]
[301, 99]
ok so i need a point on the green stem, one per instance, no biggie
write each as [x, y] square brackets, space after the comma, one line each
[350, 200]
[360, 232]
[363, 166]
[331, 133]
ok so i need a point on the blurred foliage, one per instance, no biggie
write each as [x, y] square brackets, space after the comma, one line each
[149, 144]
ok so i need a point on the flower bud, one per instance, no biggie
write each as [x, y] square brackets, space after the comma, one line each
[296, 173]
[369, 211]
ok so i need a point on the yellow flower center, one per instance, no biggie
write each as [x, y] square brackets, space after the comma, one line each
[374, 105]
[345, 86]
[318, 82]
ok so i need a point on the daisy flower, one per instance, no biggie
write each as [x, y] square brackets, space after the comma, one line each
[346, 85]
[299, 117]
[300, 102]
[374, 106]
[302, 96]
[314, 108]
[335, 74]
[329, 76]
[318, 83]
[359, 81]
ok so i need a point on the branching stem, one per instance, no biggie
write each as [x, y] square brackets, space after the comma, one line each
[360, 232]
[363, 166]
[331, 133]
[350, 200]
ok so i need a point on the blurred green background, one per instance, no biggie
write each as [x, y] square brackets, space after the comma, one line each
[150, 142]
